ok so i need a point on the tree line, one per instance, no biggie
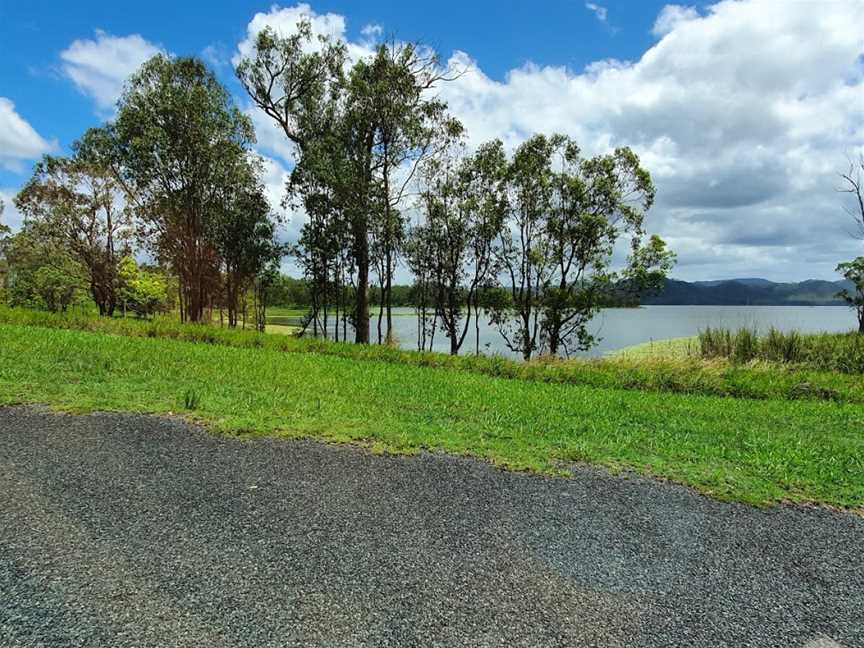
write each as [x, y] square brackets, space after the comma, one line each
[384, 174]
[174, 177]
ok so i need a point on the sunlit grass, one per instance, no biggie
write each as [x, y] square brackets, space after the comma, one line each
[673, 348]
[687, 375]
[752, 451]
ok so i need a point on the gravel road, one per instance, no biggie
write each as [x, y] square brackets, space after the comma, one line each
[123, 530]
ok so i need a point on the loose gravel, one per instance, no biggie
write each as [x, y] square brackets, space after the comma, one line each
[125, 530]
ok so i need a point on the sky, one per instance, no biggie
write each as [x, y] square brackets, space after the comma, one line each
[744, 111]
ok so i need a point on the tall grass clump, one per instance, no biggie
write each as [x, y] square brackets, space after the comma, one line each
[840, 352]
[778, 346]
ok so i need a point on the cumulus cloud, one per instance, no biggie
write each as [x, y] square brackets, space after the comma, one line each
[284, 22]
[100, 66]
[19, 141]
[743, 111]
[671, 16]
[743, 114]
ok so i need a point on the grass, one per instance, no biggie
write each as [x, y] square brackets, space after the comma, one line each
[280, 329]
[840, 352]
[751, 451]
[685, 375]
[673, 348]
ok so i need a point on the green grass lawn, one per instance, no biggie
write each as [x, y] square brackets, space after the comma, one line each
[731, 448]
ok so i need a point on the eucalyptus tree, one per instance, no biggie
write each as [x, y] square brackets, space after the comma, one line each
[4, 233]
[179, 141]
[244, 236]
[359, 127]
[422, 262]
[299, 81]
[853, 271]
[462, 202]
[566, 214]
[596, 203]
[318, 245]
[296, 80]
[408, 126]
[522, 249]
[78, 202]
[853, 184]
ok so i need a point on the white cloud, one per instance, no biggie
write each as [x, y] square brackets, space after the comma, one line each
[284, 22]
[216, 55]
[598, 11]
[371, 31]
[743, 113]
[671, 16]
[10, 217]
[99, 67]
[19, 141]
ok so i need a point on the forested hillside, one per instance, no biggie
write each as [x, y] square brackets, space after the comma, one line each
[753, 292]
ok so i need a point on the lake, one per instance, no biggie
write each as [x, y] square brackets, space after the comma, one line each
[622, 327]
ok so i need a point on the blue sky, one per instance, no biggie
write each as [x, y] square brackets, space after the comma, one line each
[500, 37]
[743, 110]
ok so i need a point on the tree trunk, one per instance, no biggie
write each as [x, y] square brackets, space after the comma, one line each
[389, 300]
[380, 310]
[361, 252]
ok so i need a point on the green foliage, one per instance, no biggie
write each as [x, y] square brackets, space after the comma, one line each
[841, 352]
[565, 214]
[40, 274]
[191, 400]
[753, 451]
[854, 271]
[52, 288]
[72, 203]
[141, 291]
[183, 150]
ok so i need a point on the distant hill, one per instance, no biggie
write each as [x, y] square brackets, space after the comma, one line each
[749, 292]
[749, 281]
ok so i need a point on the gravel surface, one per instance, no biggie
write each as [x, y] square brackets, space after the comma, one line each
[123, 530]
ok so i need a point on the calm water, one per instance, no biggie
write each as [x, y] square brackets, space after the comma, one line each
[621, 327]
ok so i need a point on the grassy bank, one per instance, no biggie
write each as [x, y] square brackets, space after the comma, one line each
[686, 375]
[841, 352]
[752, 451]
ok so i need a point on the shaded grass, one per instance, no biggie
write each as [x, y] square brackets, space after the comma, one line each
[686, 375]
[751, 451]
